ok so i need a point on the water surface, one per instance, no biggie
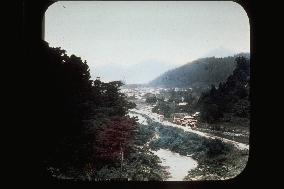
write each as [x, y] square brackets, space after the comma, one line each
[178, 165]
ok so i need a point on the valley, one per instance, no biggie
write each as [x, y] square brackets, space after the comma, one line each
[178, 162]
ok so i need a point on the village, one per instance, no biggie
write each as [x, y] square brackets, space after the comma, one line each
[139, 95]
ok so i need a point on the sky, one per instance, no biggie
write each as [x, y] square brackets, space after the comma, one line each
[122, 40]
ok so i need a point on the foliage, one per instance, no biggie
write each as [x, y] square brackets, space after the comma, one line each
[171, 105]
[216, 159]
[115, 140]
[202, 72]
[145, 166]
[151, 99]
[164, 108]
[144, 134]
[185, 143]
[230, 97]
[222, 166]
[88, 133]
[142, 165]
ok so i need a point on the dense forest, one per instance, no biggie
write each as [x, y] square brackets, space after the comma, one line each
[86, 132]
[231, 98]
[202, 73]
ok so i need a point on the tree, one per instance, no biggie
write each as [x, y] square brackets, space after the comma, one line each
[151, 100]
[76, 111]
[65, 88]
[230, 97]
[115, 140]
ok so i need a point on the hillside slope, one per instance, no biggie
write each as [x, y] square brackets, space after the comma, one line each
[231, 98]
[202, 72]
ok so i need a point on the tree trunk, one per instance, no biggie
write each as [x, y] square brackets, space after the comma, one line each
[121, 160]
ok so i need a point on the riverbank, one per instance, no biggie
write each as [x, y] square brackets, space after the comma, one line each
[146, 111]
[216, 159]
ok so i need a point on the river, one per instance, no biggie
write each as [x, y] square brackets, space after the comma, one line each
[178, 165]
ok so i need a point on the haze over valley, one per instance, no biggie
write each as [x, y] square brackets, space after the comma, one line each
[146, 91]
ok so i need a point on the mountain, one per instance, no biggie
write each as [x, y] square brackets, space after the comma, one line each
[231, 97]
[139, 73]
[202, 72]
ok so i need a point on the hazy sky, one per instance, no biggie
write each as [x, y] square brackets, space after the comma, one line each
[121, 34]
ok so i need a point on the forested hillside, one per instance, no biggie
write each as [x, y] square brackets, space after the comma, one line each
[86, 133]
[231, 98]
[202, 73]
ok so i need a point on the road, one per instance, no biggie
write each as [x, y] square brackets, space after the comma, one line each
[146, 111]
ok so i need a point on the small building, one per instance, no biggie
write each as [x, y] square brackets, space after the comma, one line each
[182, 103]
[184, 119]
[161, 117]
[178, 116]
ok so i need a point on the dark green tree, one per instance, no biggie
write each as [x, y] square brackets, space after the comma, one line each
[231, 96]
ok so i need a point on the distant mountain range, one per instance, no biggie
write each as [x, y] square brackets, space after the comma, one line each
[201, 72]
[139, 73]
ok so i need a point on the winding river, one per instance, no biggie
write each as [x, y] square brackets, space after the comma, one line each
[178, 165]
